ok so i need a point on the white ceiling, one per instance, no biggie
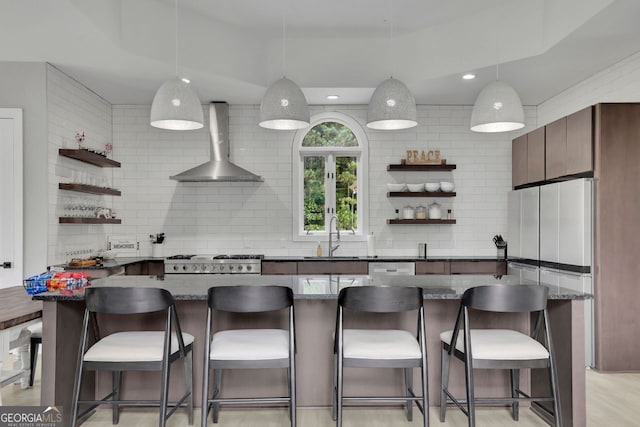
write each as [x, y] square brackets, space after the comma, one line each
[232, 50]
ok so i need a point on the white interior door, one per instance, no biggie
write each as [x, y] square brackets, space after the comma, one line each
[11, 197]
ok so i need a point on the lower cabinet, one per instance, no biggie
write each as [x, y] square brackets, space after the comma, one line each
[479, 267]
[145, 268]
[432, 267]
[279, 267]
[333, 267]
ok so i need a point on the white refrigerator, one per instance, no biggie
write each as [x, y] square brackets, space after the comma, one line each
[550, 227]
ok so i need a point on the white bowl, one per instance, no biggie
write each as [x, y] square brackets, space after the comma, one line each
[447, 186]
[415, 187]
[432, 186]
[396, 187]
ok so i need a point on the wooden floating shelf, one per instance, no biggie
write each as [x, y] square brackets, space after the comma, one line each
[91, 189]
[421, 168]
[421, 194]
[421, 221]
[75, 220]
[88, 157]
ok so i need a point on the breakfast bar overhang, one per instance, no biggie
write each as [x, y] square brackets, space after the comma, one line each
[315, 305]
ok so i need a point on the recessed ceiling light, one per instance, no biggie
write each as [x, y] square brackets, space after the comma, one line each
[469, 76]
[186, 80]
[333, 97]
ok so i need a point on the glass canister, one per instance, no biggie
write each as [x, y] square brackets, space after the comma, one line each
[421, 212]
[408, 212]
[435, 212]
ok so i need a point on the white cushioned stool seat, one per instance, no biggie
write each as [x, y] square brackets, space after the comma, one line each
[380, 344]
[36, 330]
[137, 346]
[250, 344]
[499, 344]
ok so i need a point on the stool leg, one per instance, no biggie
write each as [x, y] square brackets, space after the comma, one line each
[334, 390]
[425, 390]
[292, 395]
[117, 383]
[217, 382]
[164, 394]
[339, 392]
[408, 382]
[35, 345]
[205, 391]
[188, 376]
[445, 361]
[515, 385]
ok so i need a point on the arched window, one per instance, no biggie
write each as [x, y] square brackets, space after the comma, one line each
[330, 176]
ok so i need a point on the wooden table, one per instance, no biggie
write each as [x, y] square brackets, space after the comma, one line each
[17, 312]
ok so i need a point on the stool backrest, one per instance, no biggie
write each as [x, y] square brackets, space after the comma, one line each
[381, 299]
[506, 298]
[250, 299]
[127, 300]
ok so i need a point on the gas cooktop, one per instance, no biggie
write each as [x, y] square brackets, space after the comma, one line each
[213, 264]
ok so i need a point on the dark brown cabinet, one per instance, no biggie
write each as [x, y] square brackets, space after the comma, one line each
[145, 268]
[479, 267]
[279, 267]
[333, 267]
[527, 158]
[432, 267]
[569, 145]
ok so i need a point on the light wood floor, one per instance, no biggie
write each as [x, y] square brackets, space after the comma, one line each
[613, 400]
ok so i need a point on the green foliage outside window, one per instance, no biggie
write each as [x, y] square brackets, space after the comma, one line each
[330, 134]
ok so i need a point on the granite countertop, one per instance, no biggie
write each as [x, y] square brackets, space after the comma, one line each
[111, 263]
[382, 258]
[194, 286]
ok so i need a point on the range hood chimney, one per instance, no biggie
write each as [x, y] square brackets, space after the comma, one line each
[219, 168]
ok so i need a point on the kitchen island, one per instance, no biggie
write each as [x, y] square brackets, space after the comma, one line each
[315, 304]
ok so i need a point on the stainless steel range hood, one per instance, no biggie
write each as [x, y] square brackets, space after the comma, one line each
[219, 168]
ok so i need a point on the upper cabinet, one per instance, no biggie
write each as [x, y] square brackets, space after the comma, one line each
[569, 145]
[563, 148]
[527, 158]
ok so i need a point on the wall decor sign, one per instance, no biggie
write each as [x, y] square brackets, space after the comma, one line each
[422, 157]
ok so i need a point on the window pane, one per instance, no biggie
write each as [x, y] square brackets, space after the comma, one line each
[347, 192]
[314, 197]
[330, 134]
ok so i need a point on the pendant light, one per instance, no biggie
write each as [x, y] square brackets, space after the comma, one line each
[284, 106]
[175, 105]
[392, 106]
[497, 109]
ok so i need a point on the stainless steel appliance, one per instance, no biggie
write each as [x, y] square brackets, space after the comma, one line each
[393, 268]
[213, 264]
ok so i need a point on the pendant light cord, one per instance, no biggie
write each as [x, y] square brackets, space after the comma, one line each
[176, 15]
[391, 55]
[284, 42]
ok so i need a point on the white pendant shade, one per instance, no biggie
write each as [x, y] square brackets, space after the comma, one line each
[392, 107]
[284, 107]
[176, 107]
[497, 109]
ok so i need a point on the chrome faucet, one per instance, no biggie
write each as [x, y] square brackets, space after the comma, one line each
[332, 248]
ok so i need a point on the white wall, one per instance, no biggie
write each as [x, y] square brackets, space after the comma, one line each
[23, 86]
[618, 83]
[72, 108]
[256, 217]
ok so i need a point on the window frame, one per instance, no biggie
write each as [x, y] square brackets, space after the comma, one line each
[361, 152]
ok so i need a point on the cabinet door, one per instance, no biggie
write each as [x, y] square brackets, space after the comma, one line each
[333, 267]
[286, 267]
[580, 141]
[432, 267]
[519, 161]
[477, 267]
[535, 155]
[154, 268]
[134, 269]
[556, 149]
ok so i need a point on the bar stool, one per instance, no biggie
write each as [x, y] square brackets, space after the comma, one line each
[132, 350]
[248, 348]
[36, 341]
[499, 348]
[381, 348]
